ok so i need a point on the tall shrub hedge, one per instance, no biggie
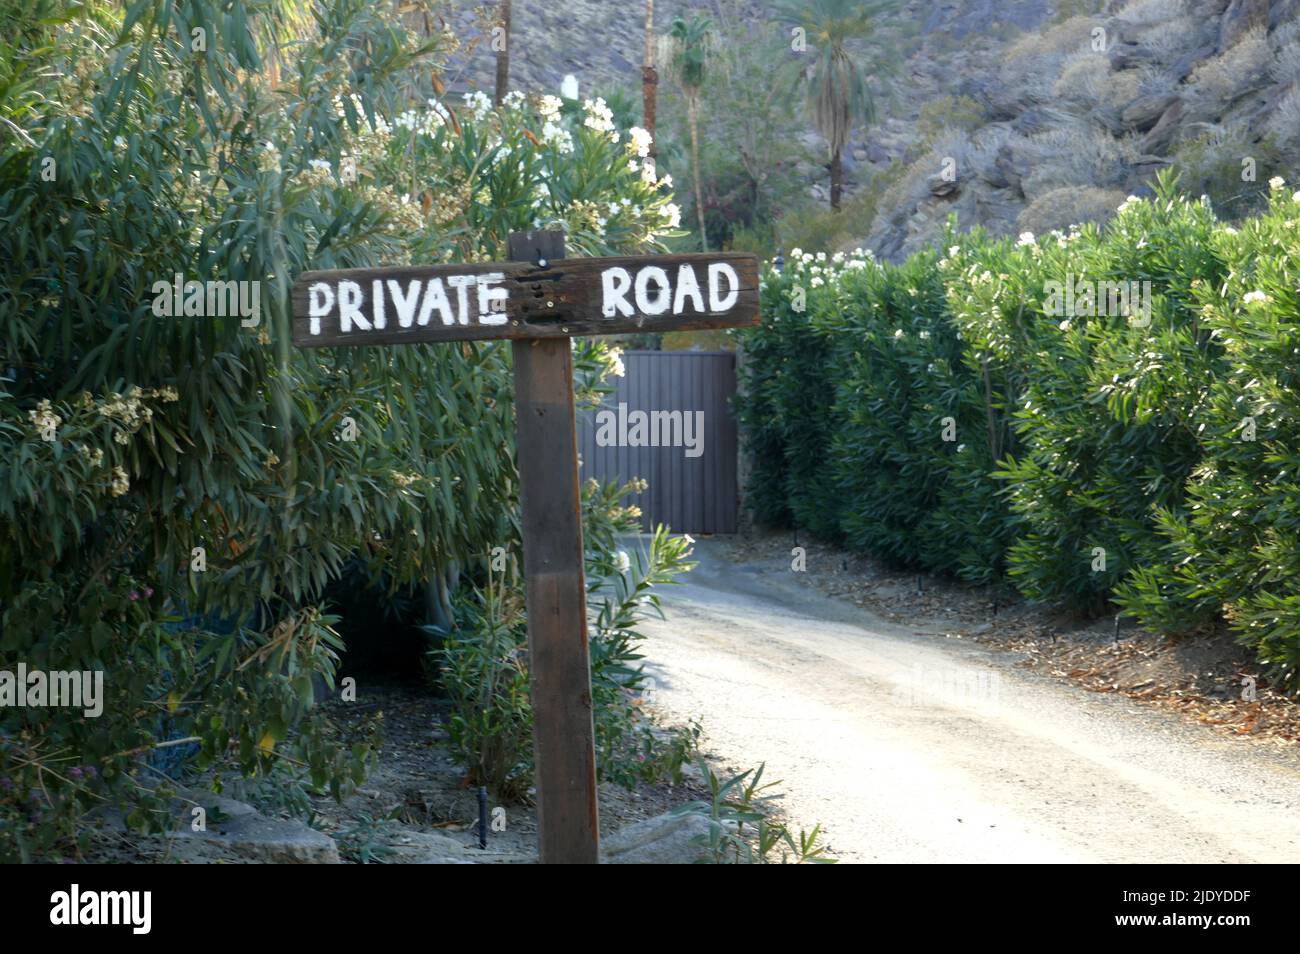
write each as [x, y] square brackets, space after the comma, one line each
[177, 491]
[961, 412]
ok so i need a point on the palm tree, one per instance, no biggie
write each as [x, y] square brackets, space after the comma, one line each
[649, 80]
[503, 54]
[687, 56]
[838, 93]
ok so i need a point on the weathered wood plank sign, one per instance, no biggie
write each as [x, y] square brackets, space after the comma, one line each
[561, 299]
[540, 299]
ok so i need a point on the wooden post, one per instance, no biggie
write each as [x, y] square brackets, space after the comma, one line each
[539, 300]
[555, 588]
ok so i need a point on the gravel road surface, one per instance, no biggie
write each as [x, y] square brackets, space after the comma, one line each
[910, 747]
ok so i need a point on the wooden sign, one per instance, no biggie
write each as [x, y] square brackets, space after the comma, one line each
[540, 299]
[559, 299]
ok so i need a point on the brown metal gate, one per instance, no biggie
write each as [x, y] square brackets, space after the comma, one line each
[692, 487]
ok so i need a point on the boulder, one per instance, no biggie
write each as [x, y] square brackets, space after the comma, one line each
[1011, 167]
[407, 846]
[667, 839]
[1146, 166]
[997, 210]
[1161, 136]
[237, 829]
[993, 176]
[1145, 111]
[1129, 56]
[939, 186]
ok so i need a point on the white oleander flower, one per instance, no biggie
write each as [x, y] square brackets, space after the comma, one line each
[549, 107]
[638, 141]
[557, 138]
[599, 116]
[268, 160]
[479, 102]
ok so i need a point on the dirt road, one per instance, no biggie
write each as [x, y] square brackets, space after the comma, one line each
[909, 747]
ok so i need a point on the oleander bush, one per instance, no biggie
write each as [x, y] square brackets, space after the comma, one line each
[179, 490]
[483, 666]
[863, 419]
[1102, 405]
[959, 412]
[1232, 549]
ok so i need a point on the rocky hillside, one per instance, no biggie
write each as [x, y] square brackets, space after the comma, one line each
[1017, 115]
[1059, 124]
[598, 41]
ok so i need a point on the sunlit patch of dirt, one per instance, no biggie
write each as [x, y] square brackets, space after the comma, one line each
[1208, 678]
